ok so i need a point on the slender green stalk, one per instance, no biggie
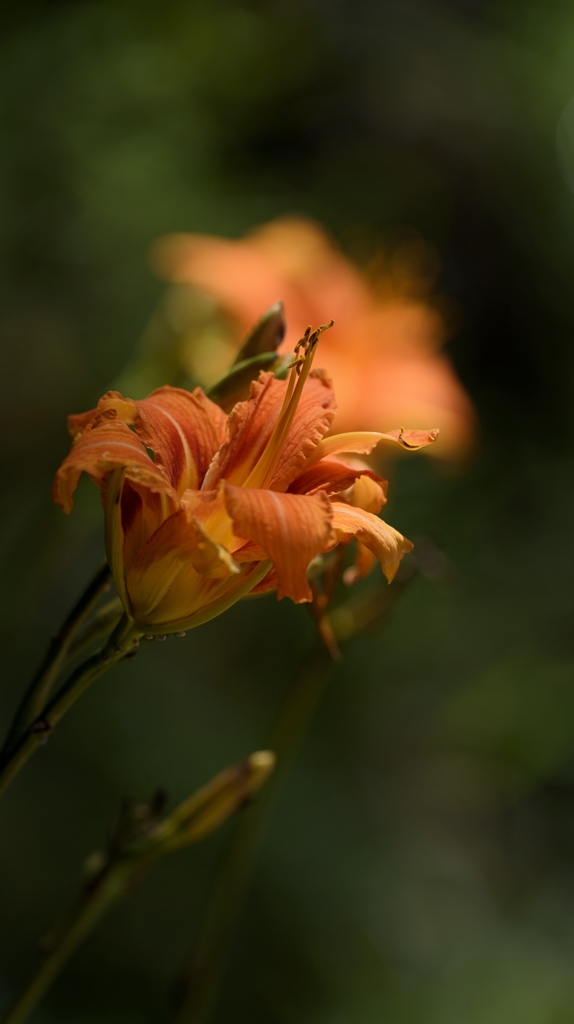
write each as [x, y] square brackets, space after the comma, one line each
[121, 642]
[99, 626]
[38, 691]
[140, 838]
[204, 976]
[88, 912]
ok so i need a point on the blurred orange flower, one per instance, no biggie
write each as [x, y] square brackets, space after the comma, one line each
[227, 505]
[384, 351]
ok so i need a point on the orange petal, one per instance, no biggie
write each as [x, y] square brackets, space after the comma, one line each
[314, 416]
[250, 551]
[363, 441]
[365, 493]
[249, 427]
[334, 476]
[267, 584]
[184, 429]
[107, 445]
[209, 510]
[137, 523]
[364, 562]
[251, 424]
[291, 528]
[396, 379]
[240, 278]
[359, 441]
[385, 542]
[215, 598]
[126, 411]
[114, 534]
[412, 439]
[179, 543]
[290, 258]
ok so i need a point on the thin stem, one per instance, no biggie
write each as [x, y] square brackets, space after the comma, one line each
[39, 689]
[38, 731]
[110, 887]
[142, 837]
[203, 978]
[100, 625]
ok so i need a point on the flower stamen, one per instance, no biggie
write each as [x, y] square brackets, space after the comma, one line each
[262, 473]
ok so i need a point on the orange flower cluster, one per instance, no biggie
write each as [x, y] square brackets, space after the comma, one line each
[384, 352]
[228, 505]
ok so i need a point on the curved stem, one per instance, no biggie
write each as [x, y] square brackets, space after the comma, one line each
[205, 973]
[86, 916]
[112, 884]
[121, 642]
[138, 841]
[39, 689]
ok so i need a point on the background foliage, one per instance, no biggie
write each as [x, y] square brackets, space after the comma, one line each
[419, 863]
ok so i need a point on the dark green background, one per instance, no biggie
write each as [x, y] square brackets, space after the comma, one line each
[419, 865]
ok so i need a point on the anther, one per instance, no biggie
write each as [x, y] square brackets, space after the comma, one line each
[180, 634]
[162, 636]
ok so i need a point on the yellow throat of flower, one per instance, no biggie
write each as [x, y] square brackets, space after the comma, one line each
[262, 473]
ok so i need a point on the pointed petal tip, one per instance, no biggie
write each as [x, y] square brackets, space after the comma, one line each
[383, 540]
[412, 440]
[262, 762]
[61, 498]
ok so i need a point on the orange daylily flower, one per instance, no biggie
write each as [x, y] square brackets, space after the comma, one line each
[384, 351]
[227, 505]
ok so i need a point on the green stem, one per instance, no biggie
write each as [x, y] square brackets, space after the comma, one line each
[111, 886]
[37, 732]
[141, 837]
[39, 689]
[100, 625]
[204, 975]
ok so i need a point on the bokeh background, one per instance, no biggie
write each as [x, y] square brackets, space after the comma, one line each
[418, 867]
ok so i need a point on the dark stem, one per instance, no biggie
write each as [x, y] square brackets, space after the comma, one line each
[97, 900]
[36, 734]
[38, 691]
[99, 626]
[141, 837]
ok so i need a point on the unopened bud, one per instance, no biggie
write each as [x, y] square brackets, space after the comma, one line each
[266, 336]
[214, 803]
